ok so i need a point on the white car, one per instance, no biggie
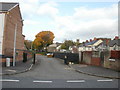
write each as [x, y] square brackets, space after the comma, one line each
[49, 54]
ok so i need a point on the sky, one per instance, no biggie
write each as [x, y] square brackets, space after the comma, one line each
[69, 20]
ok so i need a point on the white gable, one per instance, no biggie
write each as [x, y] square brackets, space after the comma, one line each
[98, 42]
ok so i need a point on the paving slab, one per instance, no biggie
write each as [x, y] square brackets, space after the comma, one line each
[96, 70]
[20, 67]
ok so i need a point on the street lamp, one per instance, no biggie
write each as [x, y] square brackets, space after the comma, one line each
[14, 51]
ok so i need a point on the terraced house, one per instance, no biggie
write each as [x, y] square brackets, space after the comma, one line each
[10, 23]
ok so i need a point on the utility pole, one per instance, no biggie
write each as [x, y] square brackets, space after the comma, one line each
[14, 52]
[31, 45]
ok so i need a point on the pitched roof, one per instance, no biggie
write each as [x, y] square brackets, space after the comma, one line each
[6, 6]
[91, 43]
[113, 42]
[53, 45]
[81, 45]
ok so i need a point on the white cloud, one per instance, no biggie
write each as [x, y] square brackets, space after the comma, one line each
[48, 9]
[96, 13]
[88, 23]
[85, 23]
[31, 22]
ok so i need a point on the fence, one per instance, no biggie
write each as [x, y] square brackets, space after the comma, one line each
[68, 57]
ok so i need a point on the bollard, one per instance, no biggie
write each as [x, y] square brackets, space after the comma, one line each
[7, 62]
[34, 58]
[24, 57]
[65, 60]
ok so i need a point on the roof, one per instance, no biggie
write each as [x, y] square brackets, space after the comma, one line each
[104, 43]
[53, 45]
[113, 42]
[58, 44]
[7, 6]
[91, 43]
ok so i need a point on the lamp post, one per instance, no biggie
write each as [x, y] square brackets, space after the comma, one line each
[15, 34]
[14, 52]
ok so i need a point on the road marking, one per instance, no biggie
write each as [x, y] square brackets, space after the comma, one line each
[42, 81]
[76, 81]
[11, 70]
[8, 80]
[68, 68]
[109, 80]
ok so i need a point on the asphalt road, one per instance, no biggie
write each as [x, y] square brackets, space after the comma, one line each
[52, 73]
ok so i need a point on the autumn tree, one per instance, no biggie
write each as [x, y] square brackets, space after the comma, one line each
[28, 44]
[67, 44]
[43, 39]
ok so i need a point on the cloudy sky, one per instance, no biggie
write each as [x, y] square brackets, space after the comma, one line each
[69, 20]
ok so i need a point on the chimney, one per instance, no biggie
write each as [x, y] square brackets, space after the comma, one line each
[87, 41]
[107, 41]
[78, 41]
[90, 40]
[116, 38]
[95, 38]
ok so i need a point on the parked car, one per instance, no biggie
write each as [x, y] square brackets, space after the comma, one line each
[49, 54]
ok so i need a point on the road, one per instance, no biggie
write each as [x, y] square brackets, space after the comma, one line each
[52, 73]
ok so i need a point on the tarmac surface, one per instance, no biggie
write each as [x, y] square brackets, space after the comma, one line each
[53, 73]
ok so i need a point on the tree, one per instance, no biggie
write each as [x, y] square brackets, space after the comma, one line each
[67, 44]
[28, 44]
[43, 39]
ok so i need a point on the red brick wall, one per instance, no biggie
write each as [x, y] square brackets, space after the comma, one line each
[115, 65]
[115, 54]
[4, 60]
[19, 55]
[11, 19]
[95, 61]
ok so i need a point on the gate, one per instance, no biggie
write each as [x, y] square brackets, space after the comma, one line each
[102, 58]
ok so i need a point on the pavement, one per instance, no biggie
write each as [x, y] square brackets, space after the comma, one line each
[20, 67]
[95, 71]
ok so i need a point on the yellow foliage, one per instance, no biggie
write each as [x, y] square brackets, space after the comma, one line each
[43, 38]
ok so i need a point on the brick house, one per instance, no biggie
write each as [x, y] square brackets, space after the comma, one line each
[114, 44]
[90, 46]
[10, 17]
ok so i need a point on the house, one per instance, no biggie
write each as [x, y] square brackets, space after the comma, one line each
[73, 49]
[54, 47]
[104, 44]
[90, 46]
[11, 22]
[114, 45]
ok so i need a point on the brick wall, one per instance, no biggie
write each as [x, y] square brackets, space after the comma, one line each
[95, 61]
[115, 54]
[19, 54]
[11, 19]
[115, 65]
[19, 57]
